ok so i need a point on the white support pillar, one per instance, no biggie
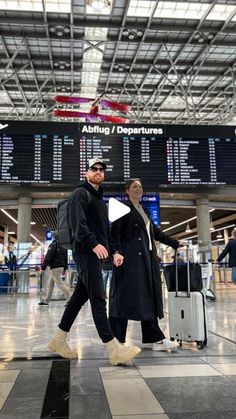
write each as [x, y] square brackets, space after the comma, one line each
[23, 236]
[5, 240]
[24, 219]
[203, 229]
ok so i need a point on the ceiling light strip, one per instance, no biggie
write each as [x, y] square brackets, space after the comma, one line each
[9, 216]
[184, 222]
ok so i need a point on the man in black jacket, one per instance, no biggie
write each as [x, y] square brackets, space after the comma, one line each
[230, 249]
[56, 259]
[90, 227]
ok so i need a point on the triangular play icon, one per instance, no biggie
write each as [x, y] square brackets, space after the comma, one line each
[116, 209]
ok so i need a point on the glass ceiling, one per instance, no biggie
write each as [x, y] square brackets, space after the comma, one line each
[137, 8]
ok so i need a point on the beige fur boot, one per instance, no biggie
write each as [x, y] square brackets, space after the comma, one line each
[59, 345]
[120, 354]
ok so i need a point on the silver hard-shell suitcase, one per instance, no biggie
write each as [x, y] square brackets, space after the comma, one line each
[187, 314]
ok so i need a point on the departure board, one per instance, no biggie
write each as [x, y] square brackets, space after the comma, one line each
[162, 155]
[38, 153]
[57, 153]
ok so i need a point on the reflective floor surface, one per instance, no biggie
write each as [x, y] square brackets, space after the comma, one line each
[187, 383]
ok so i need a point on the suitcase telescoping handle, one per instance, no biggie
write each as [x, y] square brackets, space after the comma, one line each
[188, 272]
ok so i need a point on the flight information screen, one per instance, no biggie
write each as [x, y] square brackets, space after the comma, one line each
[174, 155]
[57, 153]
[42, 153]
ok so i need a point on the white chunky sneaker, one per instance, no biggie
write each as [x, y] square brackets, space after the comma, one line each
[165, 345]
[59, 345]
[119, 353]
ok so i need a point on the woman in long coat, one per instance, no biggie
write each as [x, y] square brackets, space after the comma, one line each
[135, 291]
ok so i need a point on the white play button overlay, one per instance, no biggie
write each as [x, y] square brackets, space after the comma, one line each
[116, 209]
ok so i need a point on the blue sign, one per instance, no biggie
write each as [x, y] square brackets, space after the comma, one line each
[48, 235]
[150, 202]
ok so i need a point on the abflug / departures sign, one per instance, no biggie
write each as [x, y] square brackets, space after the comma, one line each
[56, 153]
[169, 155]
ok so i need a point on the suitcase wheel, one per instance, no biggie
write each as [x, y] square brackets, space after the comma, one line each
[200, 345]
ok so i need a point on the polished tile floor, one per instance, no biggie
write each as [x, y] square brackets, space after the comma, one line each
[187, 383]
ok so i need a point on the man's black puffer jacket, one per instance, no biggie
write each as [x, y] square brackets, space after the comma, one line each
[56, 257]
[88, 218]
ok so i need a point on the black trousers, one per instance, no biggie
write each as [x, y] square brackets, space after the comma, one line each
[151, 331]
[89, 286]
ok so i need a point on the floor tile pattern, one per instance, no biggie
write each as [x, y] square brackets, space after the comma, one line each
[187, 383]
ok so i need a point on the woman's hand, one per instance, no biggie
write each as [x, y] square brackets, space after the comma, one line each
[118, 259]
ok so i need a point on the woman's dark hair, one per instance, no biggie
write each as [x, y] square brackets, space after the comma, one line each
[132, 180]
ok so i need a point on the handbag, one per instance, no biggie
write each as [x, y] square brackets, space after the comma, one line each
[195, 272]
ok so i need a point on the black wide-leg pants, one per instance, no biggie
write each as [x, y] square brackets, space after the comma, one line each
[89, 286]
[151, 331]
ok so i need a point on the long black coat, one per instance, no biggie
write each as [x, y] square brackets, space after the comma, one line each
[135, 291]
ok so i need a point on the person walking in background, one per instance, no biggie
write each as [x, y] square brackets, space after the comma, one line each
[90, 229]
[56, 259]
[135, 290]
[230, 249]
[107, 265]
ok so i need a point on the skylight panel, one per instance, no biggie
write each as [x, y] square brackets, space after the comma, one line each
[221, 12]
[98, 7]
[21, 5]
[140, 8]
[100, 34]
[181, 10]
[4, 98]
[92, 64]
[59, 6]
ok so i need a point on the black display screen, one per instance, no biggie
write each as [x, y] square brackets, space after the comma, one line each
[57, 153]
[43, 153]
[168, 155]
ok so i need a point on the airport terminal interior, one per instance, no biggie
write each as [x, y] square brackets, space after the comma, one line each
[148, 87]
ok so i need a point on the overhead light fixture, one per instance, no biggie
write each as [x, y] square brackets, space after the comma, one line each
[97, 5]
[11, 232]
[132, 33]
[219, 235]
[188, 229]
[33, 223]
[165, 222]
[125, 32]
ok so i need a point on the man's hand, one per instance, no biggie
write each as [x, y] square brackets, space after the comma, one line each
[118, 259]
[182, 243]
[100, 251]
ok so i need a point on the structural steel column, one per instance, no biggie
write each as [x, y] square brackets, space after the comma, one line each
[24, 219]
[203, 229]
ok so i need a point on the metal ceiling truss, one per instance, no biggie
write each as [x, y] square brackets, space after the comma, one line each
[166, 74]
